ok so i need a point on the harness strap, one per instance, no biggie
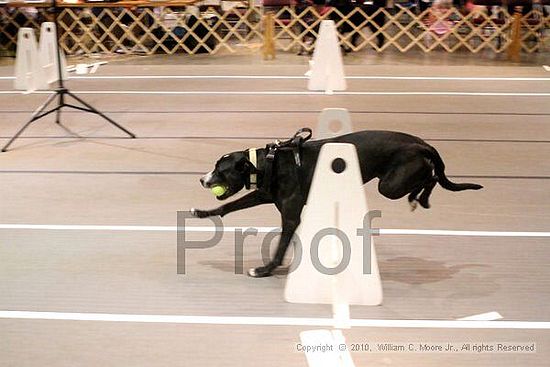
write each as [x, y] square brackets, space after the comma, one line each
[294, 144]
[253, 158]
[269, 160]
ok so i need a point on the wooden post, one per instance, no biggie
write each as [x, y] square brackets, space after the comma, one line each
[515, 46]
[268, 49]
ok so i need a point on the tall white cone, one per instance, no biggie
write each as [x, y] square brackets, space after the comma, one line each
[48, 58]
[336, 201]
[333, 122]
[27, 69]
[327, 72]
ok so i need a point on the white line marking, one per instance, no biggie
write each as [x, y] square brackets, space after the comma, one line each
[387, 231]
[291, 93]
[444, 232]
[488, 316]
[273, 321]
[365, 77]
[63, 227]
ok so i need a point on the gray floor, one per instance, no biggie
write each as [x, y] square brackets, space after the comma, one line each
[52, 177]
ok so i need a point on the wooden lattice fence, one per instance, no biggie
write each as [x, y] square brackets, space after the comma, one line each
[166, 30]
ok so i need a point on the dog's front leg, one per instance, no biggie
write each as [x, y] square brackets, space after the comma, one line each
[290, 214]
[249, 200]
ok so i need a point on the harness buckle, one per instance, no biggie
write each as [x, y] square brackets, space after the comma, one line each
[297, 157]
[271, 150]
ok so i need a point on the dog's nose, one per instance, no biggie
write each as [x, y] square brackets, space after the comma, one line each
[206, 180]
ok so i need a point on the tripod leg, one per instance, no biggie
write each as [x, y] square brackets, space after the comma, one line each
[35, 116]
[61, 105]
[58, 116]
[93, 110]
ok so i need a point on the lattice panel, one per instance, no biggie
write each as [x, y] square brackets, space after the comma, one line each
[533, 27]
[152, 30]
[11, 19]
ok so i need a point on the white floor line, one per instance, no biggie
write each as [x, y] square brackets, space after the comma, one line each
[382, 231]
[63, 227]
[444, 232]
[273, 321]
[359, 77]
[289, 93]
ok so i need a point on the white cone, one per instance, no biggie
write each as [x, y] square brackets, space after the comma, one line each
[333, 116]
[327, 72]
[336, 200]
[27, 68]
[325, 348]
[48, 58]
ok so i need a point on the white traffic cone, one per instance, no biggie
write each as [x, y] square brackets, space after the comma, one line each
[333, 122]
[48, 58]
[27, 69]
[338, 263]
[327, 71]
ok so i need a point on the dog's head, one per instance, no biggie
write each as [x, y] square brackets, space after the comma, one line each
[231, 171]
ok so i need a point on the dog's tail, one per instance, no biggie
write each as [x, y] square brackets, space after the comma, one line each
[439, 169]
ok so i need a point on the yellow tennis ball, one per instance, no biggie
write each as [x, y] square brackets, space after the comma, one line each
[218, 190]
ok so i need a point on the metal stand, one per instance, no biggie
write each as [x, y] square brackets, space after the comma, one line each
[61, 92]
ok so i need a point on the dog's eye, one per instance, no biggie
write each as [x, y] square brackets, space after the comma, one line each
[241, 165]
[225, 166]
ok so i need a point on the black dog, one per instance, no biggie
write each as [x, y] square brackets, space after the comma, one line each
[404, 164]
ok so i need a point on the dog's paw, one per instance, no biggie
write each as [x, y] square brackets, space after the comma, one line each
[413, 204]
[424, 203]
[260, 272]
[200, 213]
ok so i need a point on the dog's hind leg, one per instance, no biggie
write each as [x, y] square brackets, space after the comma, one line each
[425, 195]
[413, 198]
[422, 194]
[408, 176]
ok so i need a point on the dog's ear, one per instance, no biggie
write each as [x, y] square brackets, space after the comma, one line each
[243, 165]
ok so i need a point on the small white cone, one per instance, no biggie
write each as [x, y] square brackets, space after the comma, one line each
[95, 66]
[329, 117]
[308, 73]
[336, 200]
[327, 71]
[27, 68]
[326, 348]
[345, 356]
[81, 69]
[488, 316]
[48, 58]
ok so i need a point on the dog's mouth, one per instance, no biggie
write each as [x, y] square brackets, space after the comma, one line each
[225, 195]
[222, 198]
[219, 188]
[213, 187]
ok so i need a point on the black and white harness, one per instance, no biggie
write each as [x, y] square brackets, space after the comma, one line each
[294, 144]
